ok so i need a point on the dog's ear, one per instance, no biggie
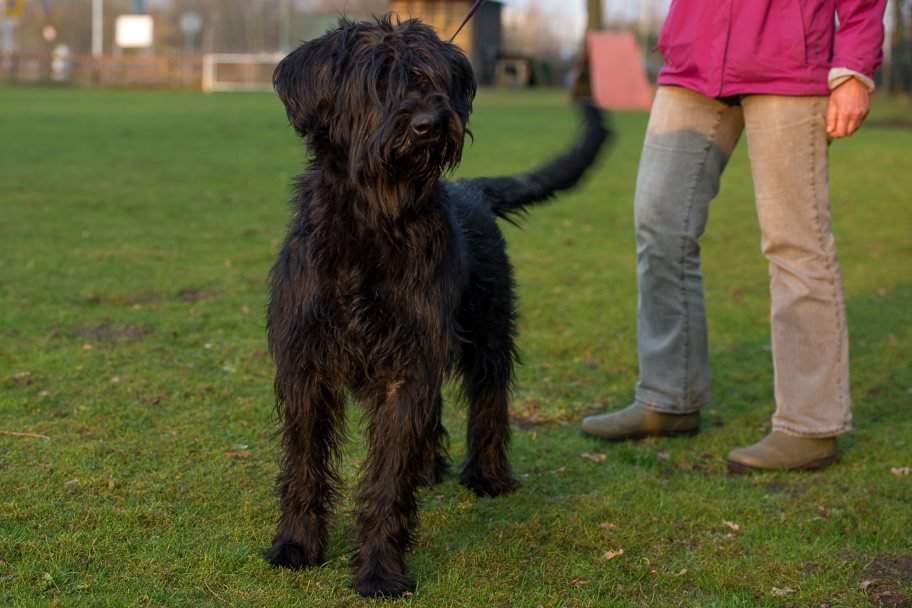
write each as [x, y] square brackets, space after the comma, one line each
[303, 80]
[462, 80]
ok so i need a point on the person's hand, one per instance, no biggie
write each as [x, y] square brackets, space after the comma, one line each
[849, 104]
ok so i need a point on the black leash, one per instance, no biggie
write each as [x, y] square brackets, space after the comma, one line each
[472, 12]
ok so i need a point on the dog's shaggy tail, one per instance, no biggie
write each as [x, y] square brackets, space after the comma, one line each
[512, 195]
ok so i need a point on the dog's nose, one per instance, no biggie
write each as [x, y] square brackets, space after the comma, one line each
[425, 124]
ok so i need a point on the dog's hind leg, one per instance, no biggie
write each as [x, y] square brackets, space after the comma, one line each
[400, 437]
[312, 419]
[487, 469]
[487, 358]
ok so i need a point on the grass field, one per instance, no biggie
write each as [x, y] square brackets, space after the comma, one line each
[136, 452]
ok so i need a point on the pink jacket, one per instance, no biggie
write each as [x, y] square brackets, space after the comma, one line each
[784, 47]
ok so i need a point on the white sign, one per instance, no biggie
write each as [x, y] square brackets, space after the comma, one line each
[133, 31]
[190, 23]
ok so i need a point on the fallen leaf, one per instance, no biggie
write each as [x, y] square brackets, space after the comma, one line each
[901, 470]
[594, 457]
[607, 526]
[578, 581]
[866, 584]
[681, 573]
[238, 454]
[776, 591]
[613, 554]
[735, 527]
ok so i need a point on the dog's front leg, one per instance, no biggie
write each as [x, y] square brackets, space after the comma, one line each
[436, 462]
[401, 434]
[312, 420]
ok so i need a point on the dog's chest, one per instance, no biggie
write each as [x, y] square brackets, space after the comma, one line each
[373, 298]
[379, 309]
[378, 285]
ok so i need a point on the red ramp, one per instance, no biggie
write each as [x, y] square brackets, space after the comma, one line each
[616, 72]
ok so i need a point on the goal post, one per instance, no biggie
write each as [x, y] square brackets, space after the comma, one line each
[239, 71]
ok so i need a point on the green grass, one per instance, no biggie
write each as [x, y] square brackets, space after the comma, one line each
[136, 231]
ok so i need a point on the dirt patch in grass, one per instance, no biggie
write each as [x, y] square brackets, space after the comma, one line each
[884, 579]
[139, 298]
[108, 333]
[194, 295]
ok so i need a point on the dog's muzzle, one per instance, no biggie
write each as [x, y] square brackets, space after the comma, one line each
[427, 126]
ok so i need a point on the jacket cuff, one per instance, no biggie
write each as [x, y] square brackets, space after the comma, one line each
[838, 76]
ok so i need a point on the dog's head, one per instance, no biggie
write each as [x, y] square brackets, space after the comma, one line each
[389, 99]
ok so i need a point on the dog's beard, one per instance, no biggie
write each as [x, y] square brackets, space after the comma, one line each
[392, 152]
[395, 169]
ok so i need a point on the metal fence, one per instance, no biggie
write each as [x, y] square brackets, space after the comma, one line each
[85, 70]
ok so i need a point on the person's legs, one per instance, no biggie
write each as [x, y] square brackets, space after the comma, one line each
[788, 147]
[688, 142]
[687, 145]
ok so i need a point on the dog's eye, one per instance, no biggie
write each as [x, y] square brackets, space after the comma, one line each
[422, 83]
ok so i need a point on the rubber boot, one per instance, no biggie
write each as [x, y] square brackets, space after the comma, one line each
[782, 452]
[637, 422]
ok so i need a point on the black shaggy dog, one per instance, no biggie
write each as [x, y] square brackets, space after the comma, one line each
[389, 279]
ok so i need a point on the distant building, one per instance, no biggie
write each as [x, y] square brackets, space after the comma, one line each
[481, 38]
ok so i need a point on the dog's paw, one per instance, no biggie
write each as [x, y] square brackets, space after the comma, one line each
[292, 556]
[372, 584]
[487, 485]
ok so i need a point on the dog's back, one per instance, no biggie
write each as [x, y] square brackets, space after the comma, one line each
[475, 202]
[510, 195]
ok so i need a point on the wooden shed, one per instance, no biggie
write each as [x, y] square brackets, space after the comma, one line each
[481, 38]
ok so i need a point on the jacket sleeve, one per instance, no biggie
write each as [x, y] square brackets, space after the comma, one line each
[858, 45]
